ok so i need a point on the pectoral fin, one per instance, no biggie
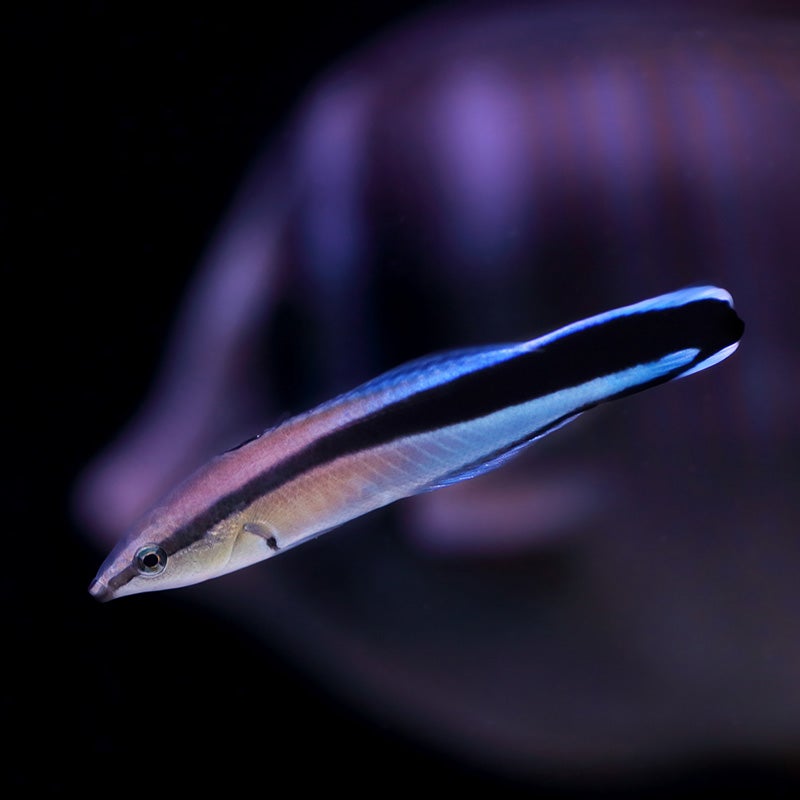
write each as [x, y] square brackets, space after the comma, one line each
[266, 532]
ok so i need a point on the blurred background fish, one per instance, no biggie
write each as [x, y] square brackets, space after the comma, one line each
[618, 603]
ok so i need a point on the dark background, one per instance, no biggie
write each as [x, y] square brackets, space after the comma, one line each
[130, 127]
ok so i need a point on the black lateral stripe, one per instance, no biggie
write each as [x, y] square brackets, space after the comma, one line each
[122, 577]
[708, 325]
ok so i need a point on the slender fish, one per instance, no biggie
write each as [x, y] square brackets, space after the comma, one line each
[427, 424]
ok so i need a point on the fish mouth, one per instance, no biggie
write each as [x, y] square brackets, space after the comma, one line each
[100, 591]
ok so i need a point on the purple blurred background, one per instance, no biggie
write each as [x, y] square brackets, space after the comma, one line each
[617, 605]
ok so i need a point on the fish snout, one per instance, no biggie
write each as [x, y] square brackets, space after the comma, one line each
[100, 591]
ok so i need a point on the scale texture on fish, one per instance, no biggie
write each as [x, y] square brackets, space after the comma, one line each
[435, 421]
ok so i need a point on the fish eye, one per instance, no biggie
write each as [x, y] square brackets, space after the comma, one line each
[150, 559]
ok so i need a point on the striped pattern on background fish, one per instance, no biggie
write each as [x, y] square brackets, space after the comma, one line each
[429, 423]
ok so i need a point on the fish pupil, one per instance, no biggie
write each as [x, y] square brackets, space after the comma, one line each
[150, 561]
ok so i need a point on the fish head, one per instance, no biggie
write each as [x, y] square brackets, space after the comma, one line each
[160, 554]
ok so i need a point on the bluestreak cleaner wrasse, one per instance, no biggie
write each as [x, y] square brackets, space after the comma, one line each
[429, 423]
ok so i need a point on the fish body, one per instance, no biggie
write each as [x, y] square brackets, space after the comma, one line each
[429, 423]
